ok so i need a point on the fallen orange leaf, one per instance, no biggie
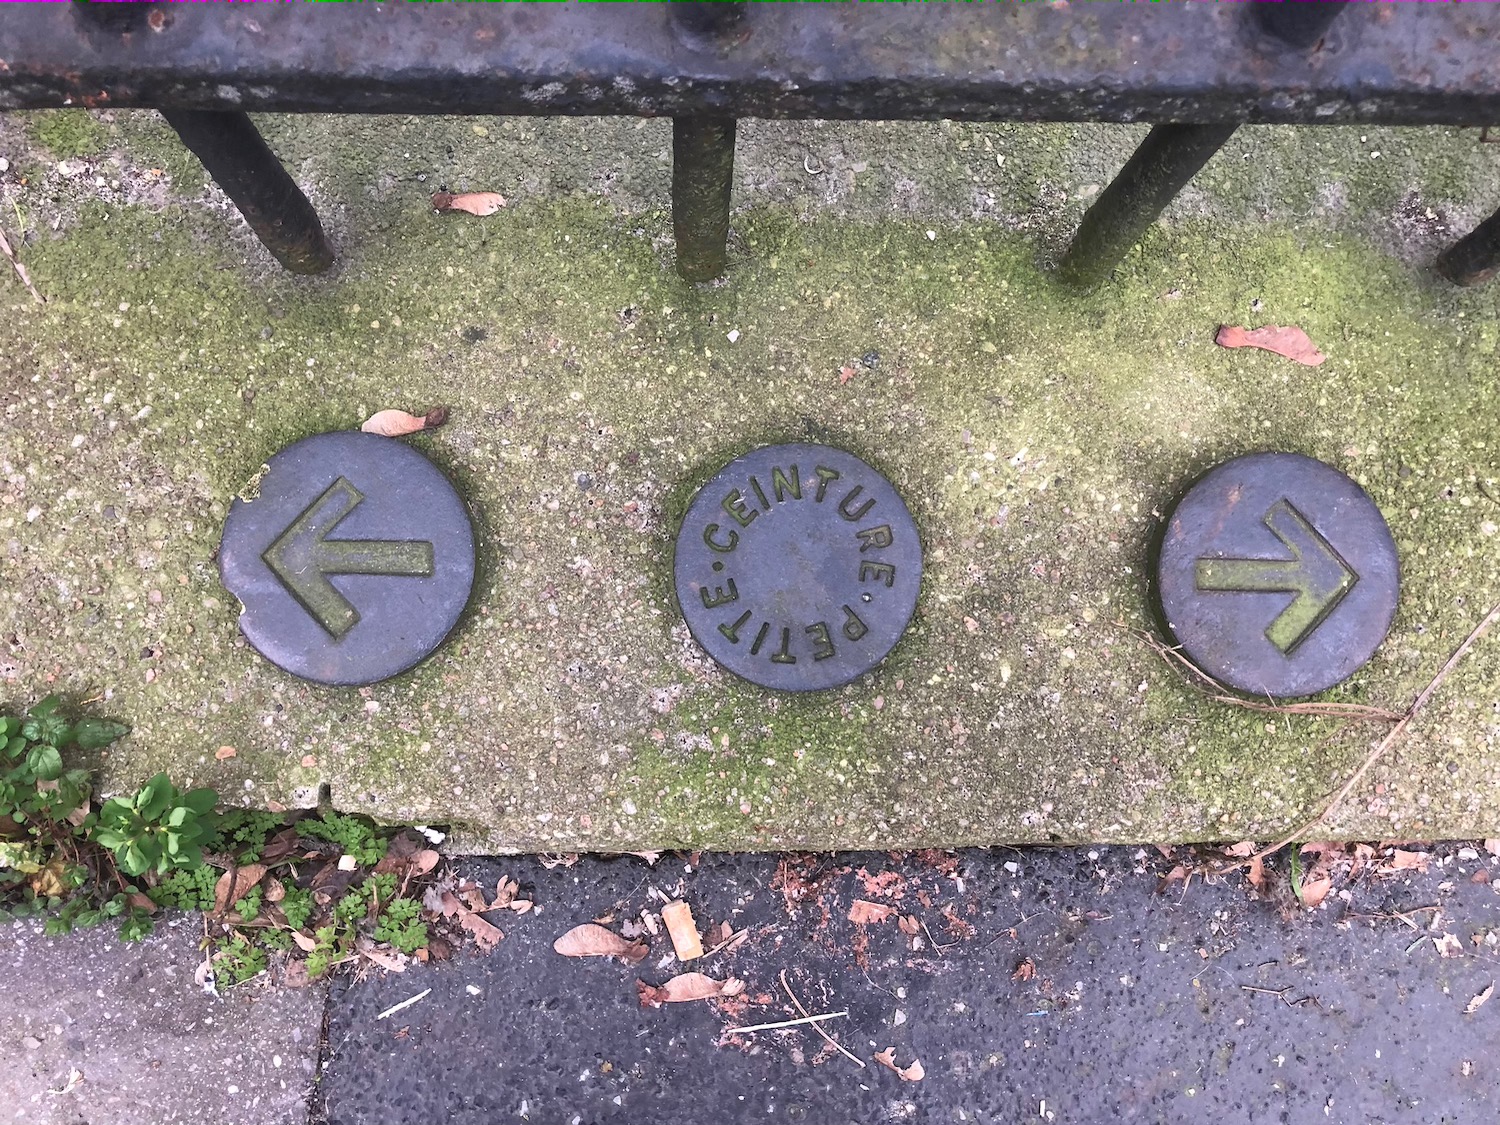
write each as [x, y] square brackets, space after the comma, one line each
[864, 912]
[479, 203]
[1314, 891]
[912, 1073]
[398, 423]
[1291, 342]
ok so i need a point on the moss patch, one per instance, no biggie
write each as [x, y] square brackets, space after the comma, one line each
[1036, 436]
[67, 132]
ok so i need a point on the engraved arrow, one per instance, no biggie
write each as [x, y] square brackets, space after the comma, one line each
[1315, 573]
[303, 557]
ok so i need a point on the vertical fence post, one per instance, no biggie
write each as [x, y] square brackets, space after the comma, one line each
[1171, 155]
[1474, 258]
[703, 151]
[1168, 158]
[702, 178]
[236, 156]
[1297, 23]
[238, 159]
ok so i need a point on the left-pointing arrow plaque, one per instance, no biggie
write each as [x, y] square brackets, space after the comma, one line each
[352, 555]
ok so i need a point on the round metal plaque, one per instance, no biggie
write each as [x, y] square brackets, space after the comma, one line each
[1278, 575]
[352, 562]
[798, 567]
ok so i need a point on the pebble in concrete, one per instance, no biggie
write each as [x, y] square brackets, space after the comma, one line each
[96, 1029]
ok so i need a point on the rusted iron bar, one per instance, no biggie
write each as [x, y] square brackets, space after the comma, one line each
[703, 148]
[1168, 158]
[1474, 258]
[1298, 23]
[702, 176]
[240, 162]
[1191, 61]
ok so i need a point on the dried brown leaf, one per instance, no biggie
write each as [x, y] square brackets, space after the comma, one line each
[845, 374]
[1176, 875]
[1406, 861]
[649, 995]
[1291, 342]
[423, 862]
[234, 885]
[912, 1073]
[472, 897]
[1025, 970]
[280, 846]
[590, 940]
[275, 889]
[225, 752]
[1478, 1002]
[731, 943]
[863, 912]
[304, 943]
[382, 957]
[680, 989]
[505, 891]
[487, 934]
[1449, 946]
[1324, 847]
[1492, 846]
[393, 423]
[1256, 873]
[1362, 856]
[909, 925]
[479, 203]
[1241, 850]
[1314, 891]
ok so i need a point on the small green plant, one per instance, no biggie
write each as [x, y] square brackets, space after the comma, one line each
[356, 836]
[158, 828]
[297, 907]
[161, 847]
[243, 833]
[401, 925]
[238, 957]
[48, 859]
[248, 908]
[187, 889]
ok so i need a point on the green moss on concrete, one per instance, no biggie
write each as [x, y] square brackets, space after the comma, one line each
[67, 132]
[1036, 435]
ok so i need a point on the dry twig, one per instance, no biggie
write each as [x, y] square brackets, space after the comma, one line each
[1280, 994]
[814, 1020]
[832, 1042]
[5, 248]
[1302, 831]
[1206, 683]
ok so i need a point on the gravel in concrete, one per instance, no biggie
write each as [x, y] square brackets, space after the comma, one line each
[96, 1030]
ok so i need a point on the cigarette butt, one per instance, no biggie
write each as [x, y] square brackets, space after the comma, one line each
[684, 931]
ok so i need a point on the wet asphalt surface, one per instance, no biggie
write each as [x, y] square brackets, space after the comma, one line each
[1066, 985]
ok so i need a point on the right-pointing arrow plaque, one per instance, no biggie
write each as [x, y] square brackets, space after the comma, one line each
[1277, 575]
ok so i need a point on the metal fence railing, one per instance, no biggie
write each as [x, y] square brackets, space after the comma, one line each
[1194, 69]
